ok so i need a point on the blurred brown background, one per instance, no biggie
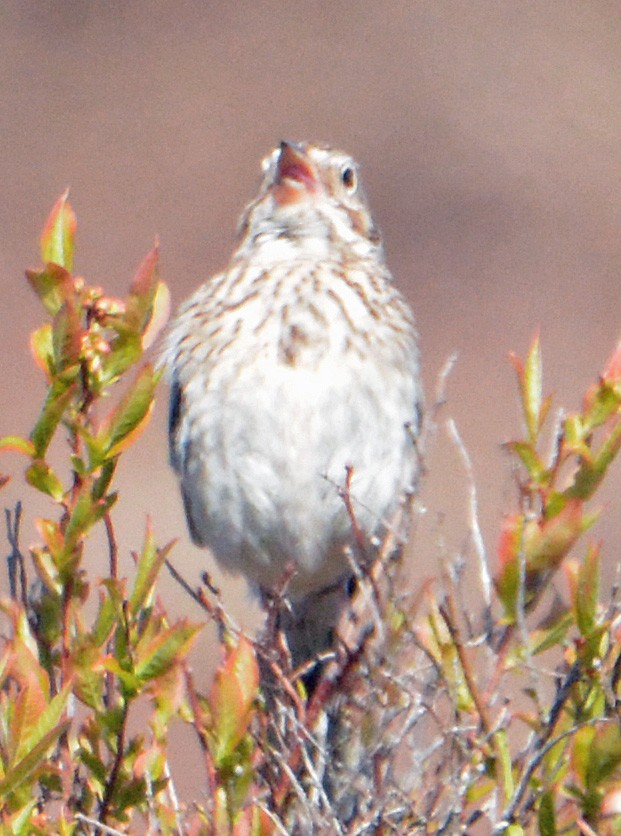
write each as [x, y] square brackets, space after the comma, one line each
[488, 134]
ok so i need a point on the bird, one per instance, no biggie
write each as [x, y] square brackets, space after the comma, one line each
[295, 382]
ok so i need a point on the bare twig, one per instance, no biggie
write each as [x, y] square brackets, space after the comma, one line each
[15, 560]
[431, 414]
[475, 527]
[98, 826]
[346, 496]
[214, 609]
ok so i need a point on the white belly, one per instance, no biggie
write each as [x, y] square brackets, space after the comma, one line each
[269, 451]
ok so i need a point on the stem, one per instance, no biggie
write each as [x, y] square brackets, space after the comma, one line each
[345, 494]
[113, 549]
[116, 766]
[67, 594]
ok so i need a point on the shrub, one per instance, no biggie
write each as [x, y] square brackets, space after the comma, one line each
[426, 718]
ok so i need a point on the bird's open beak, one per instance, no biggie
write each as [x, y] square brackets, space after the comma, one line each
[295, 175]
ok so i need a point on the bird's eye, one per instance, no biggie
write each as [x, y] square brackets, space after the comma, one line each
[348, 178]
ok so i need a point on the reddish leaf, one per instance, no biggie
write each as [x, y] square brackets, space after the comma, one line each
[548, 542]
[542, 545]
[142, 291]
[518, 365]
[43, 719]
[232, 696]
[511, 536]
[612, 369]
[32, 697]
[17, 444]
[253, 821]
[611, 804]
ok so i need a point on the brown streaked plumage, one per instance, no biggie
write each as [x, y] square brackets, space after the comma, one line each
[297, 362]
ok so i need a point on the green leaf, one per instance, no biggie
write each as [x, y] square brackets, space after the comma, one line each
[96, 446]
[20, 824]
[160, 312]
[88, 671]
[46, 722]
[556, 502]
[608, 449]
[553, 635]
[21, 771]
[42, 349]
[575, 433]
[66, 336]
[547, 815]
[107, 618]
[103, 481]
[53, 286]
[510, 548]
[129, 682]
[98, 771]
[162, 651]
[85, 513]
[41, 476]
[605, 403]
[47, 572]
[149, 564]
[58, 399]
[593, 469]
[129, 794]
[530, 459]
[126, 351]
[58, 236]
[587, 593]
[596, 754]
[505, 764]
[131, 414]
[532, 390]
